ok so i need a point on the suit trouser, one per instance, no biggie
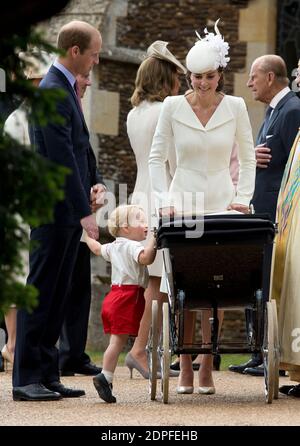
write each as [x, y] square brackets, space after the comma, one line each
[73, 336]
[52, 260]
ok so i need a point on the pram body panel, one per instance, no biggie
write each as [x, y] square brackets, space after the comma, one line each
[225, 266]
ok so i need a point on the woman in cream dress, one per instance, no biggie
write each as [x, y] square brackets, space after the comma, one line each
[203, 126]
[157, 78]
[286, 267]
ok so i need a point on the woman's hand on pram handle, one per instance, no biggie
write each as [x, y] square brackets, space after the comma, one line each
[167, 211]
[239, 207]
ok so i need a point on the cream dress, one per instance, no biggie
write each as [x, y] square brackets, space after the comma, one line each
[141, 125]
[286, 265]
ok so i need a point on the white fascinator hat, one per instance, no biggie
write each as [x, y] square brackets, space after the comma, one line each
[37, 63]
[209, 52]
[159, 50]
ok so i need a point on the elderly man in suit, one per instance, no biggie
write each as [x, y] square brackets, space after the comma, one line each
[268, 82]
[36, 371]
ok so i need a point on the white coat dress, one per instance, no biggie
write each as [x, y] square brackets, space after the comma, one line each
[203, 154]
[141, 125]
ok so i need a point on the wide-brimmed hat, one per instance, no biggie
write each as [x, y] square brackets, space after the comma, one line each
[209, 52]
[159, 50]
[37, 63]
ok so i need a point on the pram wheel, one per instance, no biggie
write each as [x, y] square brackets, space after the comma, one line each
[277, 353]
[152, 351]
[269, 353]
[165, 354]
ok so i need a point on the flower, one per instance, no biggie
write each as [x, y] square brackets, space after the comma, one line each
[217, 43]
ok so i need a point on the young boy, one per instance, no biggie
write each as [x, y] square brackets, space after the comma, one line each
[123, 306]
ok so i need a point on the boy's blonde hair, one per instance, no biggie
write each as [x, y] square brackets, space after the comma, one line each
[122, 217]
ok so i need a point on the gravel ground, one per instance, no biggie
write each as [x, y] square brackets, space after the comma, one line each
[239, 401]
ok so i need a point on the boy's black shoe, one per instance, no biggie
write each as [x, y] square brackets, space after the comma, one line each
[104, 388]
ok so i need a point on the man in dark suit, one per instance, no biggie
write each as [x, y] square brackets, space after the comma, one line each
[52, 259]
[268, 82]
[72, 341]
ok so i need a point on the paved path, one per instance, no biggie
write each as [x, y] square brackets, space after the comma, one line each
[239, 401]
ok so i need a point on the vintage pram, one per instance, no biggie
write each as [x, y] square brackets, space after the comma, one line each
[228, 267]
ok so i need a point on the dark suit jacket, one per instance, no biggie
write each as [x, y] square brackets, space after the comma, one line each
[68, 145]
[283, 126]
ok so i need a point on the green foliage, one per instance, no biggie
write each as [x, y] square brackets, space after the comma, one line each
[30, 185]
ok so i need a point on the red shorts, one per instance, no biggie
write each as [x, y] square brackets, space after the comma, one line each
[122, 309]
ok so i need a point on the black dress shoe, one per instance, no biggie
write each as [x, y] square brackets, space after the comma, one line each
[295, 391]
[66, 392]
[175, 366]
[89, 369]
[1, 363]
[253, 362]
[254, 371]
[34, 392]
[285, 389]
[103, 388]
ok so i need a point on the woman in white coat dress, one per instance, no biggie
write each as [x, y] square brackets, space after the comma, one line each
[203, 126]
[156, 79]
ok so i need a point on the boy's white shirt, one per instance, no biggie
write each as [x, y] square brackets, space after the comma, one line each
[123, 255]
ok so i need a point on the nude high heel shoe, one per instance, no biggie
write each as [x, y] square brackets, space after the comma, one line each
[206, 390]
[184, 389]
[132, 363]
[7, 356]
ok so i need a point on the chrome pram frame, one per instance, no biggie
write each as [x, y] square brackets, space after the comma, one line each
[227, 267]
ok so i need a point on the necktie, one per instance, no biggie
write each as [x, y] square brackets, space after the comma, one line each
[266, 122]
[76, 88]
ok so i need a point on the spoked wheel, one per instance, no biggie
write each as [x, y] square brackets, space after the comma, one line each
[276, 347]
[269, 353]
[165, 354]
[152, 351]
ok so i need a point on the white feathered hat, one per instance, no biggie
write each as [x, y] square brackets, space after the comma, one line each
[209, 52]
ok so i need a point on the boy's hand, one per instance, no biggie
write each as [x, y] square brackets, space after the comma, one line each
[89, 224]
